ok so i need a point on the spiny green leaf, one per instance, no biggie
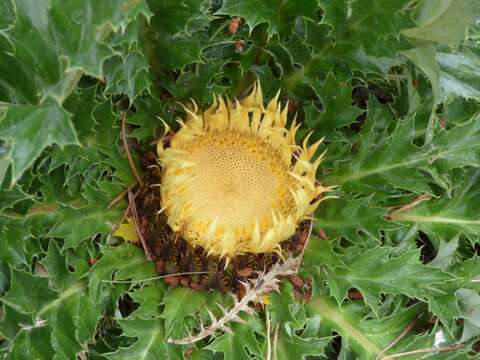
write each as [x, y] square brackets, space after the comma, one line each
[151, 343]
[29, 294]
[350, 218]
[376, 271]
[8, 14]
[385, 329]
[424, 58]
[127, 75]
[67, 309]
[291, 346]
[382, 160]
[241, 342]
[149, 298]
[10, 197]
[346, 323]
[320, 253]
[363, 34]
[181, 303]
[277, 15]
[446, 253]
[434, 16]
[119, 263]
[52, 43]
[200, 85]
[450, 216]
[459, 73]
[285, 311]
[11, 322]
[444, 305]
[174, 45]
[95, 219]
[28, 129]
[13, 235]
[337, 111]
[450, 74]
[469, 306]
[33, 344]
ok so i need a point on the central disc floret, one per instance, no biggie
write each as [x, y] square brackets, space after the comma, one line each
[229, 183]
[239, 180]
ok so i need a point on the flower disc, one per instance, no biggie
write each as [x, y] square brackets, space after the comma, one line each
[233, 179]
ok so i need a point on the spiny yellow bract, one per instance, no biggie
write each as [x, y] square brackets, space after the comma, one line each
[229, 183]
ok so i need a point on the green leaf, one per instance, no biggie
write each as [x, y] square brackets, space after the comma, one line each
[376, 271]
[151, 343]
[13, 236]
[469, 306]
[29, 129]
[29, 294]
[241, 342]
[350, 218]
[388, 257]
[285, 310]
[450, 74]
[450, 216]
[434, 16]
[459, 74]
[33, 344]
[175, 43]
[119, 263]
[201, 84]
[364, 38]
[53, 42]
[291, 346]
[180, 303]
[446, 254]
[11, 322]
[319, 252]
[8, 14]
[346, 322]
[127, 75]
[67, 309]
[444, 305]
[10, 197]
[95, 219]
[424, 58]
[381, 160]
[149, 299]
[337, 111]
[278, 16]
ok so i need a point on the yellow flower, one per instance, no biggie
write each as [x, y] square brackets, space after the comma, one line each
[234, 180]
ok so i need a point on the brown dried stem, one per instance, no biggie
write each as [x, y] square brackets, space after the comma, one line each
[127, 210]
[254, 289]
[403, 208]
[399, 337]
[123, 117]
[122, 194]
[133, 211]
[427, 350]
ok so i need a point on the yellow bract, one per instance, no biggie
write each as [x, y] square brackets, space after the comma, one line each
[127, 231]
[234, 181]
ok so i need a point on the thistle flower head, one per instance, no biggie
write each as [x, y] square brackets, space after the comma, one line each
[234, 180]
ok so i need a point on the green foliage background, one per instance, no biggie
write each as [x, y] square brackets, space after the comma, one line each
[393, 85]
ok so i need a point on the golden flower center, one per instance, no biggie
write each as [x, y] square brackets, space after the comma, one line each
[229, 183]
[238, 180]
